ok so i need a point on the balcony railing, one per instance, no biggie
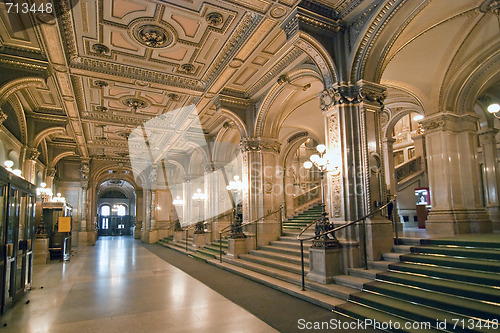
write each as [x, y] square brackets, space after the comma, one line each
[408, 168]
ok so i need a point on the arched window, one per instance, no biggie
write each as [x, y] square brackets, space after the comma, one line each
[121, 210]
[105, 210]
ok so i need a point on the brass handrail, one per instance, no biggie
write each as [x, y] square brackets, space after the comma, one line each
[363, 219]
[210, 220]
[280, 209]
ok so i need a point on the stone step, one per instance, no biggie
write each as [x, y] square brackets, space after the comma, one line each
[285, 266]
[334, 290]
[285, 250]
[365, 273]
[288, 244]
[401, 248]
[391, 256]
[409, 241]
[355, 282]
[325, 301]
[382, 265]
[280, 256]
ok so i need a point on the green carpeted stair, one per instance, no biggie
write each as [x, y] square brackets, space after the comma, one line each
[302, 219]
[453, 284]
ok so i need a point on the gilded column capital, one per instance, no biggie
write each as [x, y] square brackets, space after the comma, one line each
[363, 92]
[32, 154]
[51, 172]
[260, 144]
[450, 122]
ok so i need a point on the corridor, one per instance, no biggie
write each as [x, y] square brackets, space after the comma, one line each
[119, 286]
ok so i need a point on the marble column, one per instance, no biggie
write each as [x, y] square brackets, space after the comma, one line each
[50, 173]
[262, 177]
[491, 176]
[454, 178]
[357, 185]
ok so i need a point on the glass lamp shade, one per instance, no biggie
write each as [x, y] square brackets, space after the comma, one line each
[8, 164]
[321, 148]
[314, 158]
[308, 164]
[418, 117]
[494, 108]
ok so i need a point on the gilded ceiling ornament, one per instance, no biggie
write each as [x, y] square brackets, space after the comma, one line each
[188, 68]
[101, 108]
[153, 36]
[100, 49]
[135, 103]
[278, 12]
[174, 97]
[100, 84]
[214, 19]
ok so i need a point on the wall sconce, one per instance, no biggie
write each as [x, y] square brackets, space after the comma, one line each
[283, 79]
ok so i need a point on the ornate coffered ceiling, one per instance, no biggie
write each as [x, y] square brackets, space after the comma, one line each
[112, 65]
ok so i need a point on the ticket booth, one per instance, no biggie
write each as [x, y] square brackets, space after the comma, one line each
[17, 213]
[57, 220]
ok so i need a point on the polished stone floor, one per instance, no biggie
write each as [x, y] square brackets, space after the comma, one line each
[119, 286]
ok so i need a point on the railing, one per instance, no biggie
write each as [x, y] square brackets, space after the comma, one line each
[407, 169]
[206, 222]
[280, 210]
[66, 249]
[392, 214]
[306, 197]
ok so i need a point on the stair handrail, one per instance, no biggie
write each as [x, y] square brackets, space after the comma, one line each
[205, 222]
[362, 219]
[280, 209]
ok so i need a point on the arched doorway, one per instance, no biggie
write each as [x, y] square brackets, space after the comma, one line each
[115, 208]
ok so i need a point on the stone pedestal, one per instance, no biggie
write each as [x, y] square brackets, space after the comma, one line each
[149, 236]
[41, 253]
[200, 240]
[324, 264]
[379, 237]
[179, 235]
[87, 238]
[450, 223]
[237, 246]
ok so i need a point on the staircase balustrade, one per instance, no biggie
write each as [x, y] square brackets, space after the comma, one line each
[307, 197]
[408, 168]
[228, 228]
[209, 221]
[362, 220]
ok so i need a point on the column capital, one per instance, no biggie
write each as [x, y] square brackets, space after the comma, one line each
[450, 122]
[260, 144]
[32, 154]
[487, 135]
[51, 172]
[365, 92]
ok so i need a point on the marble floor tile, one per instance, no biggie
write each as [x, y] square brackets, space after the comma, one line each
[119, 286]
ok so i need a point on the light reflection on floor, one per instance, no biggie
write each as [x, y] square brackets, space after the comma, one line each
[119, 286]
